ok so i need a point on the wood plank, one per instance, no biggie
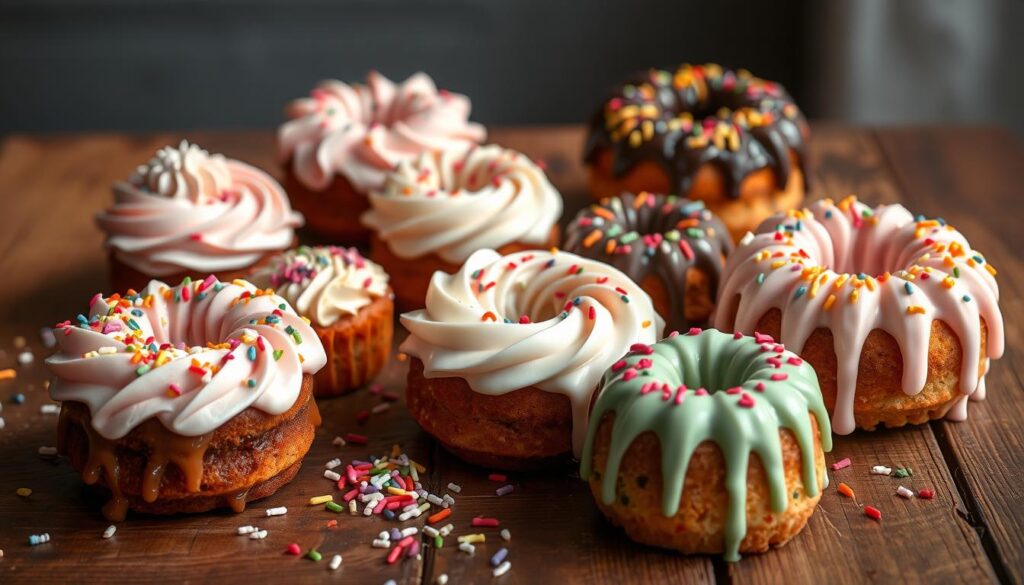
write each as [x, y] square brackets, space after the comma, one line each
[969, 176]
[840, 544]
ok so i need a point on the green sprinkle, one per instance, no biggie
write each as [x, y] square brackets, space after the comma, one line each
[251, 383]
[903, 472]
[333, 507]
[629, 237]
[142, 369]
[314, 554]
[760, 278]
[615, 230]
[672, 235]
[956, 271]
[438, 541]
[695, 232]
[624, 298]
[297, 337]
[278, 353]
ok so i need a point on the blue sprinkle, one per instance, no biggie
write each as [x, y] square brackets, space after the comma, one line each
[967, 298]
[252, 353]
[388, 514]
[218, 287]
[908, 287]
[18, 398]
[577, 301]
[800, 292]
[81, 319]
[979, 259]
[251, 383]
[919, 217]
[507, 320]
[200, 296]
[760, 278]
[137, 312]
[828, 214]
[549, 263]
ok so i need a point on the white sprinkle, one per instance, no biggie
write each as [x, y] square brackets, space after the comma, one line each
[502, 569]
[107, 350]
[279, 511]
[435, 500]
[404, 516]
[505, 534]
[442, 579]
[746, 239]
[338, 442]
[2, 422]
[331, 475]
[467, 548]
[48, 338]
[904, 492]
[248, 529]
[335, 563]
[368, 510]
[332, 463]
[109, 531]
[446, 530]
[430, 531]
[382, 407]
[25, 358]
[409, 531]
[384, 535]
[455, 487]
[258, 535]
[352, 509]
[381, 543]
[448, 501]
[881, 470]
[47, 451]
[50, 409]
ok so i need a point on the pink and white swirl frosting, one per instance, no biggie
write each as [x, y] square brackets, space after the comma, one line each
[192, 356]
[324, 283]
[554, 321]
[364, 131]
[853, 269]
[189, 211]
[455, 202]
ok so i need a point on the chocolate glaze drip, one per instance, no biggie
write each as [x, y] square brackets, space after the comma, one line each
[164, 452]
[649, 234]
[699, 114]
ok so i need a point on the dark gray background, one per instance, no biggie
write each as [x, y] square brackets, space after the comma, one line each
[71, 65]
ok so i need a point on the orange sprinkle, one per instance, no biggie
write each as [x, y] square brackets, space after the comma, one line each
[640, 200]
[646, 324]
[915, 310]
[592, 238]
[831, 300]
[439, 516]
[8, 374]
[845, 490]
[990, 269]
[602, 212]
[948, 282]
[489, 316]
[687, 223]
[609, 246]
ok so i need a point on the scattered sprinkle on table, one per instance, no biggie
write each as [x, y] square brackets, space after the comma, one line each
[841, 464]
[109, 532]
[279, 511]
[8, 374]
[37, 539]
[506, 535]
[505, 489]
[502, 569]
[335, 562]
[23, 492]
[926, 493]
[904, 492]
[881, 470]
[903, 472]
[46, 451]
[845, 490]
[873, 513]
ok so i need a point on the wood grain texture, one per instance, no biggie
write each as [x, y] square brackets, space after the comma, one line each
[50, 248]
[969, 176]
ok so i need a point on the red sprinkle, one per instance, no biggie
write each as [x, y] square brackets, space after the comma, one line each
[394, 554]
[500, 477]
[293, 549]
[488, 522]
[362, 416]
[873, 513]
[355, 439]
[926, 493]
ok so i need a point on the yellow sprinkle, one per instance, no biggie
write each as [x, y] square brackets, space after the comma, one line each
[991, 269]
[841, 281]
[472, 538]
[831, 300]
[419, 468]
[871, 283]
[778, 264]
[321, 500]
[915, 310]
[854, 295]
[646, 324]
[396, 491]
[23, 492]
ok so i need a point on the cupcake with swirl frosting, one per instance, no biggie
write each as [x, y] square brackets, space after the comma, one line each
[187, 212]
[435, 211]
[339, 143]
[349, 305]
[508, 352]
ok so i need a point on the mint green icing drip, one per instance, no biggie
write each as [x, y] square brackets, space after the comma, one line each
[742, 422]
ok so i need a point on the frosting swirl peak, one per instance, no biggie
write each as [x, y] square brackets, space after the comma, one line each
[554, 321]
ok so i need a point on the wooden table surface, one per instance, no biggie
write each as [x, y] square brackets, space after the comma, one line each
[972, 531]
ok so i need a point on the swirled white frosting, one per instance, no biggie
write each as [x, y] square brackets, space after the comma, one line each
[324, 283]
[455, 202]
[554, 321]
[188, 210]
[192, 356]
[364, 131]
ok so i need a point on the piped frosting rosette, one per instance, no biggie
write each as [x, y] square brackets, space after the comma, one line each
[324, 283]
[187, 210]
[192, 356]
[550, 320]
[363, 131]
[852, 269]
[455, 202]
